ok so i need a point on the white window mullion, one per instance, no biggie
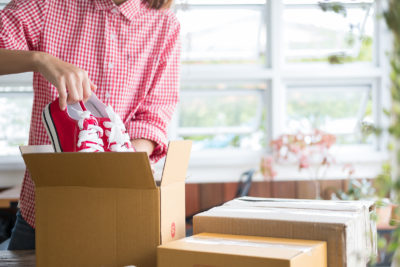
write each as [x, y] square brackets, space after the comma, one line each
[384, 41]
[377, 85]
[377, 111]
[268, 119]
[277, 99]
[377, 42]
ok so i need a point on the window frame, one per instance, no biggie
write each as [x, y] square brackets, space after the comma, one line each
[279, 75]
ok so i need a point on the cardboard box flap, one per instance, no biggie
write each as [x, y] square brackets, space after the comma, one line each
[176, 162]
[112, 169]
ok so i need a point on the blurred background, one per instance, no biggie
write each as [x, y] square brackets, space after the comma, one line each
[251, 72]
[282, 98]
[255, 70]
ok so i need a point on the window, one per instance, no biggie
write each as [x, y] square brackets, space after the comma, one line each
[315, 33]
[223, 114]
[15, 110]
[308, 63]
[3, 3]
[338, 110]
[236, 37]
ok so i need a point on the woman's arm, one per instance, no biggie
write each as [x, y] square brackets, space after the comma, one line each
[64, 76]
[21, 23]
[17, 61]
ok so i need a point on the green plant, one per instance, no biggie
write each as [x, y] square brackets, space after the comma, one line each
[334, 7]
[388, 182]
[309, 150]
[357, 190]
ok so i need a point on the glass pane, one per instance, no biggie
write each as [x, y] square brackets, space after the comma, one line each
[3, 3]
[223, 115]
[15, 115]
[219, 110]
[222, 32]
[342, 33]
[337, 111]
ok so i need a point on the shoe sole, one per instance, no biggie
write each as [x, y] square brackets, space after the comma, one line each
[50, 128]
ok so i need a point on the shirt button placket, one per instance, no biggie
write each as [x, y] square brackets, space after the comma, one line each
[110, 67]
[113, 37]
[110, 64]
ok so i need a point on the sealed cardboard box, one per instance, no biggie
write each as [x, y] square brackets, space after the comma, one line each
[345, 226]
[105, 209]
[221, 250]
[367, 207]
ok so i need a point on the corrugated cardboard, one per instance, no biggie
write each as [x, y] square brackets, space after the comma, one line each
[105, 209]
[365, 206]
[220, 250]
[343, 225]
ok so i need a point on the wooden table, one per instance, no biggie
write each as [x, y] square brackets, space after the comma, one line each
[17, 258]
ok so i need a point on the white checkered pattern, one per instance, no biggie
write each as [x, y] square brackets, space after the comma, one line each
[131, 53]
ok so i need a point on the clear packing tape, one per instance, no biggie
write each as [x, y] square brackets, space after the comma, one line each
[215, 241]
[342, 205]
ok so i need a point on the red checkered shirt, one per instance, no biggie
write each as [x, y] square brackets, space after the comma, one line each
[131, 52]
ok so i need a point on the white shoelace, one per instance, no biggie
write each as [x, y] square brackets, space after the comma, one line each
[117, 133]
[91, 135]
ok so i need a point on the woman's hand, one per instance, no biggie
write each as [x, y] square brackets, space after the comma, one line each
[64, 76]
[144, 145]
[72, 83]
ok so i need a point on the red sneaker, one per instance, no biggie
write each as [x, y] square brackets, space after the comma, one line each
[115, 139]
[72, 130]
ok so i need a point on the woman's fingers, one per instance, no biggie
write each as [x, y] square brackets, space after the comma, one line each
[62, 92]
[86, 90]
[93, 86]
[73, 94]
[73, 84]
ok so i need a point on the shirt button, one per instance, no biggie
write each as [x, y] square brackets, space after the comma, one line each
[115, 10]
[108, 94]
[112, 36]
[110, 65]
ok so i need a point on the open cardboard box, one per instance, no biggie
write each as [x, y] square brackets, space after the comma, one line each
[105, 209]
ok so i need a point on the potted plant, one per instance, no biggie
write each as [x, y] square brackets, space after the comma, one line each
[309, 151]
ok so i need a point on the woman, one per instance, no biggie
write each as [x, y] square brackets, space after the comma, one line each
[128, 51]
